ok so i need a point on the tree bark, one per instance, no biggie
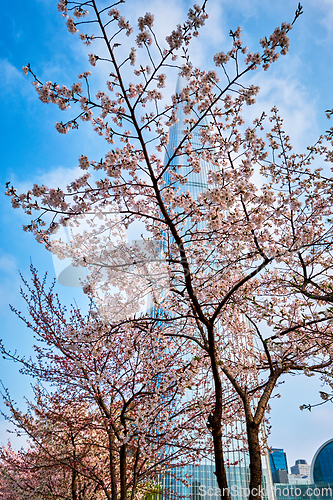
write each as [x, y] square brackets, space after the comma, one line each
[123, 483]
[255, 460]
[221, 477]
[112, 465]
[215, 420]
[74, 472]
[74, 484]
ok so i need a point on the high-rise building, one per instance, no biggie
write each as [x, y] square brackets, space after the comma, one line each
[301, 468]
[201, 480]
[278, 459]
[300, 472]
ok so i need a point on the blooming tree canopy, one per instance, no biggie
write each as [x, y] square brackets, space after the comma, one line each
[245, 253]
[113, 418]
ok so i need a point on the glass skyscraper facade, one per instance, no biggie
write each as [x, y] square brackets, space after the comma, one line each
[200, 480]
[322, 464]
[278, 459]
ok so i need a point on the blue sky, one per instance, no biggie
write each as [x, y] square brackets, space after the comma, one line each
[32, 151]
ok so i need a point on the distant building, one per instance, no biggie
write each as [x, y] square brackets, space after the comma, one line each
[301, 467]
[322, 464]
[319, 486]
[303, 491]
[300, 472]
[298, 479]
[278, 459]
[280, 476]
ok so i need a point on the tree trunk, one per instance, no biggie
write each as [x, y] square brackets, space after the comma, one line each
[135, 472]
[220, 472]
[255, 460]
[74, 484]
[74, 471]
[215, 421]
[123, 482]
[112, 465]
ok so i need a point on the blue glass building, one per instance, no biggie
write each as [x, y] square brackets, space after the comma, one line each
[322, 464]
[278, 459]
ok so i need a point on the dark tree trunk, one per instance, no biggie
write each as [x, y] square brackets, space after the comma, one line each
[123, 482]
[113, 475]
[215, 421]
[135, 472]
[255, 461]
[216, 429]
[74, 484]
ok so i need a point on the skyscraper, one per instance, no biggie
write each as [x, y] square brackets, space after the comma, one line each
[201, 480]
[301, 467]
[278, 459]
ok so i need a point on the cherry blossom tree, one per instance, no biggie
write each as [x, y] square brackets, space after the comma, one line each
[110, 421]
[237, 249]
[61, 454]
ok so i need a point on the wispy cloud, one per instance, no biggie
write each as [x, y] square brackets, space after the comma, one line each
[9, 279]
[12, 78]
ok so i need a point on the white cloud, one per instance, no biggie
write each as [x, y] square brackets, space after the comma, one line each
[326, 8]
[9, 279]
[8, 263]
[10, 76]
[54, 178]
[295, 106]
